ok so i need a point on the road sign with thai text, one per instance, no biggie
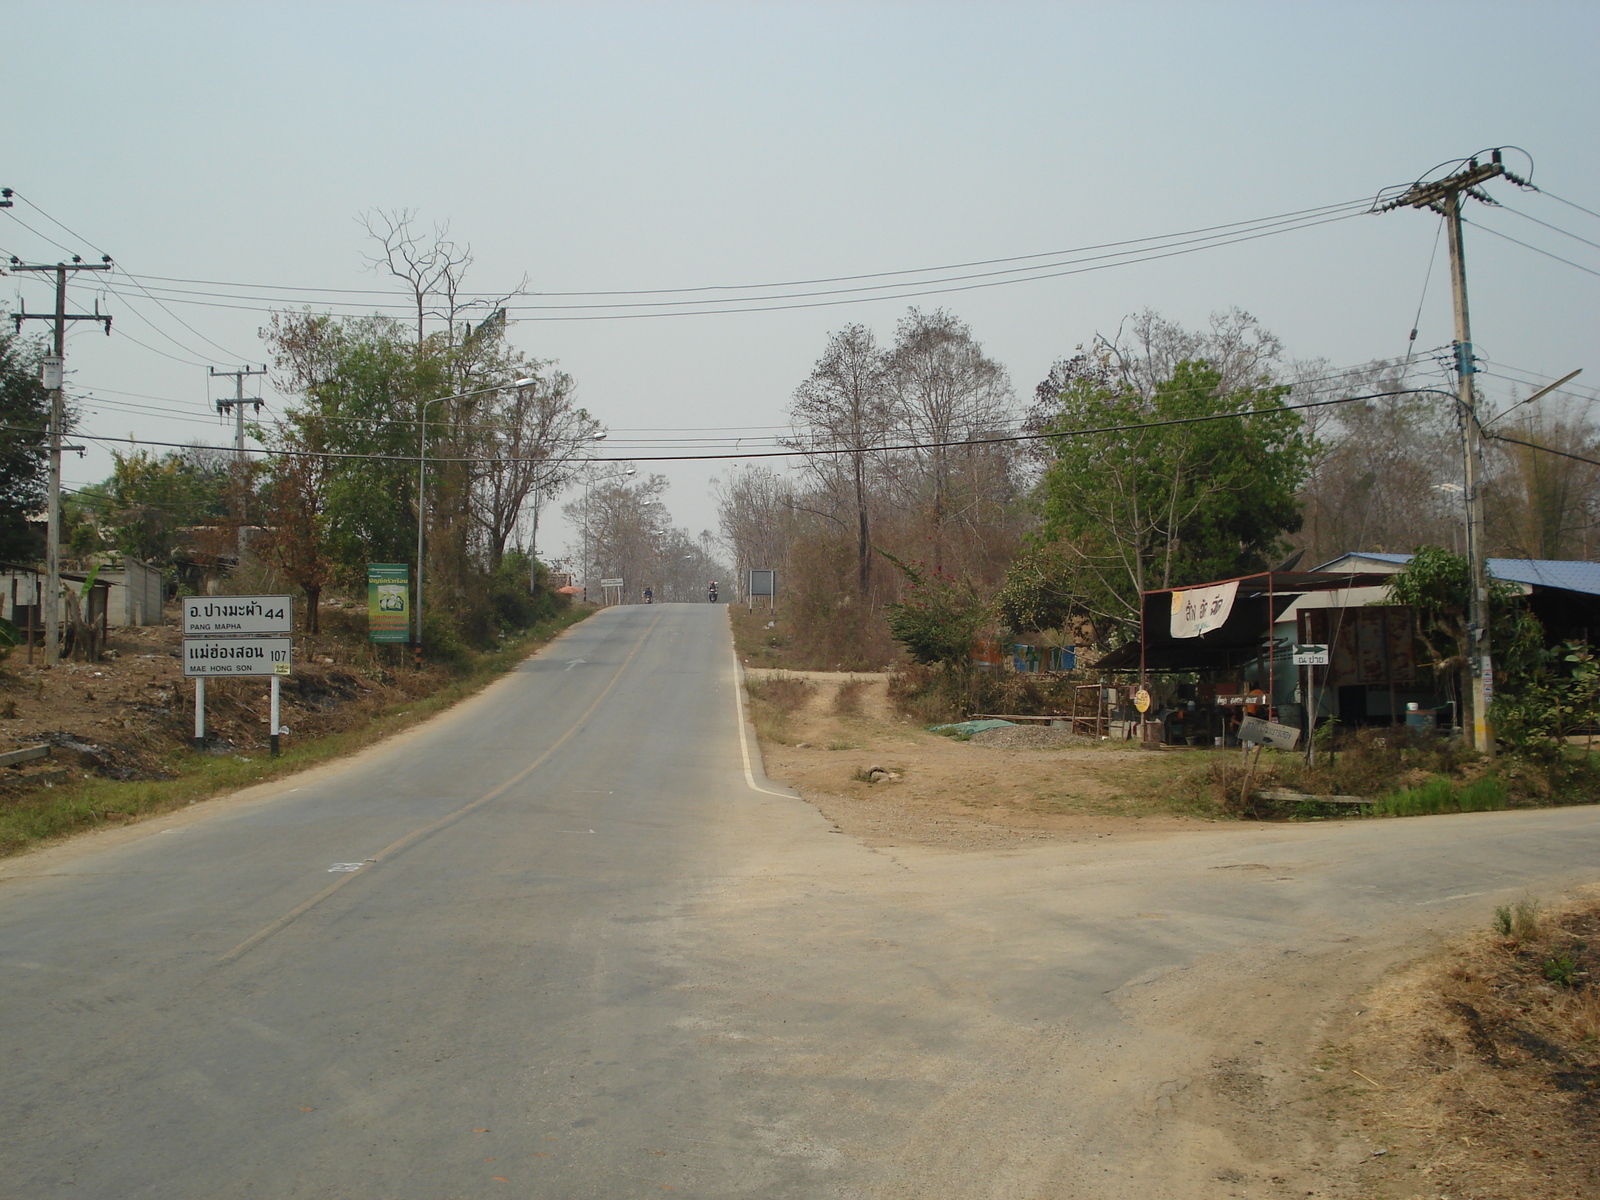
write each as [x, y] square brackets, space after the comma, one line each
[236, 657]
[1311, 655]
[232, 616]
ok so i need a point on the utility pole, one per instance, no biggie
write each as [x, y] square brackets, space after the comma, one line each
[1443, 196]
[53, 374]
[237, 405]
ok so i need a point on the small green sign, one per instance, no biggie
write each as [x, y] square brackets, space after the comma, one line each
[389, 602]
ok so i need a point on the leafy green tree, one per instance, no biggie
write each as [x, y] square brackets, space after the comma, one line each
[1560, 697]
[1438, 586]
[937, 619]
[24, 417]
[1146, 491]
[155, 500]
[361, 384]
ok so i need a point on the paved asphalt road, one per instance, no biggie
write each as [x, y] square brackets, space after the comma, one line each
[562, 943]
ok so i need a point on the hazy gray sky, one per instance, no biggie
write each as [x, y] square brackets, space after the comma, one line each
[603, 146]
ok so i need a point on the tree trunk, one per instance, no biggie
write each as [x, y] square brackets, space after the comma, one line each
[863, 545]
[313, 612]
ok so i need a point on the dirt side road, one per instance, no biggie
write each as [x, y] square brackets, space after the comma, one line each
[1126, 1005]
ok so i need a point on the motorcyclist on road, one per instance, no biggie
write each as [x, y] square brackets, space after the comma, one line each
[649, 596]
[711, 592]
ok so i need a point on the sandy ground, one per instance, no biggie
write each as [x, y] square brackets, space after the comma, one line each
[1005, 788]
[1308, 1067]
[120, 716]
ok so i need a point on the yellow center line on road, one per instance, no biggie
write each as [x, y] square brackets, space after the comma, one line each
[401, 844]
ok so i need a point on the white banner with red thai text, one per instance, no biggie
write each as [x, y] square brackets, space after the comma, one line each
[1200, 610]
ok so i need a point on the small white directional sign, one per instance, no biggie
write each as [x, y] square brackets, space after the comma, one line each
[236, 656]
[1311, 655]
[228, 616]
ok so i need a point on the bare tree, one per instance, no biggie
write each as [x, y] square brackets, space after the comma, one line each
[756, 509]
[844, 404]
[1148, 349]
[1545, 504]
[945, 390]
[1382, 470]
[622, 525]
[528, 439]
[432, 270]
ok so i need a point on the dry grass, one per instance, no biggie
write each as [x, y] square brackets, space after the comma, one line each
[1485, 1066]
[774, 701]
[847, 699]
[86, 803]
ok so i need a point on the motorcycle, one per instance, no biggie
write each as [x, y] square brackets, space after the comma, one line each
[712, 596]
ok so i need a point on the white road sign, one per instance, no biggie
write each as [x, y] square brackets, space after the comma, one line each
[229, 616]
[236, 656]
[1311, 655]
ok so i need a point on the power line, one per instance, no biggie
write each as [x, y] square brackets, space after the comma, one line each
[1500, 437]
[1526, 246]
[1318, 210]
[1547, 225]
[855, 295]
[133, 278]
[157, 329]
[185, 361]
[538, 313]
[37, 234]
[812, 453]
[1568, 203]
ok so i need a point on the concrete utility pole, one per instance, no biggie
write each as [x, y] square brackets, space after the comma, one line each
[1443, 196]
[237, 405]
[54, 372]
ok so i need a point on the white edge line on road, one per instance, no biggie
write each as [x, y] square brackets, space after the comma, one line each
[743, 721]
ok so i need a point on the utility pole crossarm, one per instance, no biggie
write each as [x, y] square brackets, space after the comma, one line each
[237, 405]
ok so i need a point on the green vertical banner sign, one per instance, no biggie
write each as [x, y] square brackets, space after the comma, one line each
[389, 602]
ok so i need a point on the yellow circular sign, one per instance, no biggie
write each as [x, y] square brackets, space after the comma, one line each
[1141, 700]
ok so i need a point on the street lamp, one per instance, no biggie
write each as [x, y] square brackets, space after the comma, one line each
[422, 484]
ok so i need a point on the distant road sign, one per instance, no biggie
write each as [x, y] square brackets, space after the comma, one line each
[1268, 733]
[611, 583]
[1141, 700]
[1311, 656]
[230, 616]
[236, 656]
[762, 582]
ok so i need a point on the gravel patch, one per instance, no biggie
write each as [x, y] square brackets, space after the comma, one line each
[1032, 737]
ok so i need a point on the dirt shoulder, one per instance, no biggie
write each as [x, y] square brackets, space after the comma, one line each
[824, 732]
[1381, 1065]
[120, 730]
[1478, 1068]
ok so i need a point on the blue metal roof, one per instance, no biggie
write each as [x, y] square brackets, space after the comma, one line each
[1569, 575]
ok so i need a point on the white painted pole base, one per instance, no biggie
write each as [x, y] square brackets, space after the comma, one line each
[200, 712]
[274, 720]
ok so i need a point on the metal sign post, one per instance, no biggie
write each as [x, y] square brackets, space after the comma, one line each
[761, 582]
[1307, 656]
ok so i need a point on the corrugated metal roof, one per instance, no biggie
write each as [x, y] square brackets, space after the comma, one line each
[1571, 575]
